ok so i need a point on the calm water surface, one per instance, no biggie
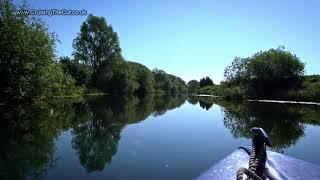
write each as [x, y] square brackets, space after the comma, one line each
[115, 137]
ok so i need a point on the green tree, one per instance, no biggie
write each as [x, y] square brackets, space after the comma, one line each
[193, 86]
[236, 73]
[206, 82]
[21, 39]
[168, 83]
[97, 43]
[56, 83]
[268, 73]
[117, 77]
[80, 72]
[309, 90]
[26, 57]
[143, 76]
[162, 81]
[178, 85]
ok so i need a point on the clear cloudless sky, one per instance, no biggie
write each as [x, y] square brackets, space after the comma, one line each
[192, 39]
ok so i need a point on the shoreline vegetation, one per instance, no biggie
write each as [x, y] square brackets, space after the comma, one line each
[275, 74]
[265, 100]
[30, 71]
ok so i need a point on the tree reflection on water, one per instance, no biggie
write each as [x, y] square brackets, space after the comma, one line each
[28, 132]
[283, 122]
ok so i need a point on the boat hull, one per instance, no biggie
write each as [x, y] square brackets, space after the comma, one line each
[279, 166]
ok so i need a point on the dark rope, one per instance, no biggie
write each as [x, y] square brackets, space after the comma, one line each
[256, 163]
[250, 174]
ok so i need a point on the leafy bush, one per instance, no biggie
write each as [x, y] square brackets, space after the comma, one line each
[234, 93]
[309, 91]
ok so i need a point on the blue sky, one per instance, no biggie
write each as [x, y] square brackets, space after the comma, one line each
[192, 39]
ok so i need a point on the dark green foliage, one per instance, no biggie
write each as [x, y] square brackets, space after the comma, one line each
[234, 93]
[97, 43]
[116, 77]
[193, 86]
[266, 74]
[273, 71]
[216, 90]
[125, 77]
[309, 90]
[80, 72]
[236, 73]
[168, 83]
[162, 81]
[20, 40]
[27, 69]
[178, 85]
[205, 82]
[272, 74]
[143, 76]
[56, 83]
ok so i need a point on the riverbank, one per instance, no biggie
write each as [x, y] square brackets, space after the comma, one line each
[265, 100]
[308, 90]
[284, 102]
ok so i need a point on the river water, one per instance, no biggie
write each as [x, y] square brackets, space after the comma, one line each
[154, 137]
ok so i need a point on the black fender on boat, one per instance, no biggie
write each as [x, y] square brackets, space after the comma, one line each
[279, 166]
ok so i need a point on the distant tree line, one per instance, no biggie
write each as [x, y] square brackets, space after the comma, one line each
[194, 85]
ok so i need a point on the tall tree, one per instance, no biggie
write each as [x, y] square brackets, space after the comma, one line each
[97, 43]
